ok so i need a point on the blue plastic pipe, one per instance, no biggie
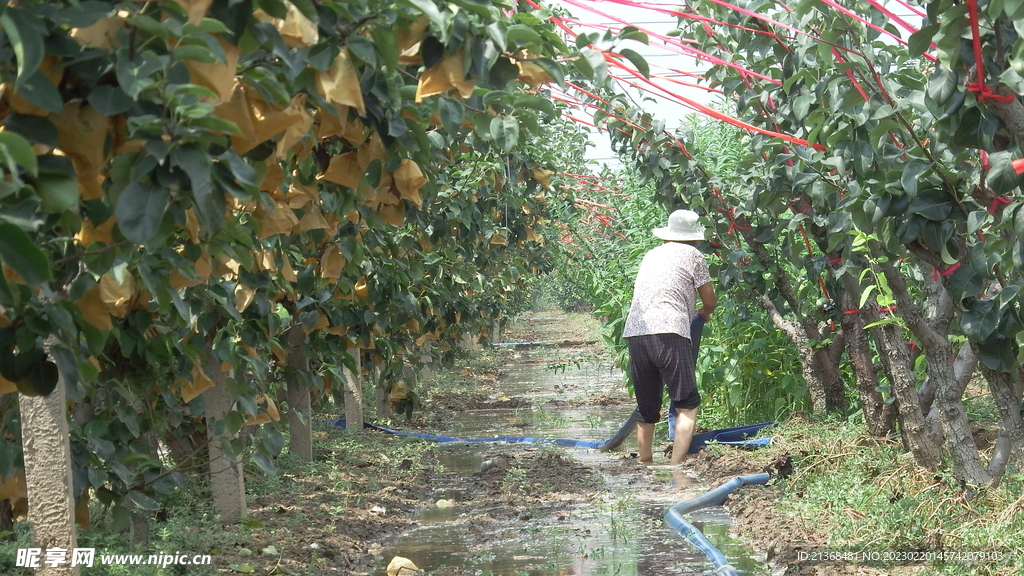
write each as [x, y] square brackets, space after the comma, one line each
[716, 497]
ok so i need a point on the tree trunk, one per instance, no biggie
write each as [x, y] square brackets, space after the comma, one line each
[354, 395]
[826, 385]
[1008, 399]
[808, 363]
[934, 341]
[903, 382]
[300, 429]
[384, 409]
[6, 521]
[878, 414]
[48, 476]
[227, 481]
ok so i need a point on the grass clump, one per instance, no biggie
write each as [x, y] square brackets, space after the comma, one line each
[868, 496]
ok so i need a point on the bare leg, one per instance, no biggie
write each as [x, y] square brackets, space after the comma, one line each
[686, 421]
[645, 438]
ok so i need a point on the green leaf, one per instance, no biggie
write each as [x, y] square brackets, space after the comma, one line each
[538, 103]
[206, 26]
[881, 131]
[554, 69]
[518, 33]
[363, 48]
[194, 52]
[496, 32]
[505, 132]
[142, 500]
[597, 62]
[1002, 178]
[140, 207]
[57, 192]
[933, 204]
[196, 163]
[996, 353]
[26, 40]
[21, 254]
[38, 90]
[273, 440]
[921, 40]
[84, 14]
[975, 220]
[33, 128]
[942, 85]
[15, 151]
[264, 463]
[633, 33]
[980, 319]
[911, 174]
[965, 283]
[452, 114]
[637, 60]
[110, 100]
[150, 26]
[430, 10]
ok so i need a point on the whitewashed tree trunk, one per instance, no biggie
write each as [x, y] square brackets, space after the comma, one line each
[300, 428]
[51, 502]
[227, 480]
[354, 396]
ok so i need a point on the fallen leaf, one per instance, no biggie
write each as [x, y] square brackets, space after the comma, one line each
[409, 40]
[238, 111]
[532, 74]
[331, 123]
[287, 272]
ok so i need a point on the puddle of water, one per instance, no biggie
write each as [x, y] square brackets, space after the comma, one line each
[622, 536]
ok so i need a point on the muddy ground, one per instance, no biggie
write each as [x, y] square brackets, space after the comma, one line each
[520, 484]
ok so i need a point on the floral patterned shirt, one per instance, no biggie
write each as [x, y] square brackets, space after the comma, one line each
[665, 292]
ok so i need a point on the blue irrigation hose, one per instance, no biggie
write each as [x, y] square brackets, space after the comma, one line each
[716, 497]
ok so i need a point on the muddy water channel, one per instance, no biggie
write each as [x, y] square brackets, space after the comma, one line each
[600, 513]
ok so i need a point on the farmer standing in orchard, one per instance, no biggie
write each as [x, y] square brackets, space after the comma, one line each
[658, 330]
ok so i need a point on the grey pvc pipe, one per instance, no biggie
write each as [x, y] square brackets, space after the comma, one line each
[716, 497]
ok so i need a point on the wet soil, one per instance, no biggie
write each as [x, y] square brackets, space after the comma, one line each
[520, 486]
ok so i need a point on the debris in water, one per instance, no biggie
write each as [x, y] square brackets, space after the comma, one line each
[401, 567]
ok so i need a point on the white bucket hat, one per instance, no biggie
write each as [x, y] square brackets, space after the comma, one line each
[682, 226]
